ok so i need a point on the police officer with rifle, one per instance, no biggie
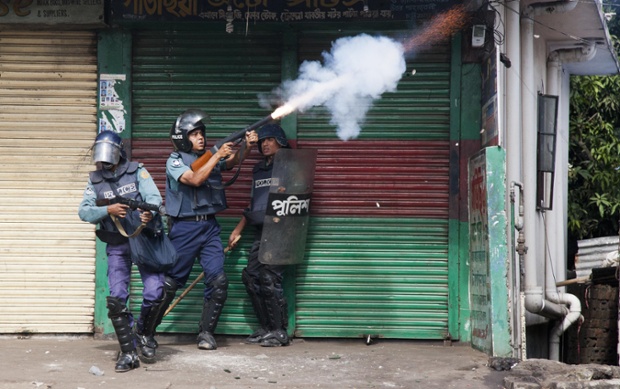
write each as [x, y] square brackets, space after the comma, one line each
[115, 177]
[194, 195]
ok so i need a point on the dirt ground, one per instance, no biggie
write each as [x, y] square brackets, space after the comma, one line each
[81, 362]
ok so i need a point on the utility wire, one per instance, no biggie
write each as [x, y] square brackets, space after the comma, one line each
[505, 4]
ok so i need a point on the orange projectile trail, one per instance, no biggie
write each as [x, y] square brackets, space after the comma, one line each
[441, 27]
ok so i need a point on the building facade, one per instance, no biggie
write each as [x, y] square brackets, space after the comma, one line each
[415, 220]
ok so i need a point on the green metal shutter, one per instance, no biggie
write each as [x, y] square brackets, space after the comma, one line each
[223, 74]
[377, 256]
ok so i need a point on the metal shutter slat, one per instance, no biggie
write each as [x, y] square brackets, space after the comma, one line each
[47, 123]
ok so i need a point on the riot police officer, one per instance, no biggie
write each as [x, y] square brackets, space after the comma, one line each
[193, 198]
[263, 282]
[116, 176]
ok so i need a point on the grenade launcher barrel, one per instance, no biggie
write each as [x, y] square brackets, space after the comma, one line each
[202, 160]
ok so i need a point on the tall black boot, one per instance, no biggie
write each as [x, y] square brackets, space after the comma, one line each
[211, 312]
[150, 318]
[259, 309]
[145, 332]
[170, 290]
[118, 313]
[277, 311]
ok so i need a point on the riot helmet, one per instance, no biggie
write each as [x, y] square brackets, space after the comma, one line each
[108, 148]
[272, 131]
[188, 121]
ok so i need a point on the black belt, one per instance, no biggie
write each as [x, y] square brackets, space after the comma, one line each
[197, 218]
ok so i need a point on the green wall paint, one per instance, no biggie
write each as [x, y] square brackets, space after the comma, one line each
[454, 257]
[471, 111]
[103, 326]
[489, 253]
[114, 58]
[469, 130]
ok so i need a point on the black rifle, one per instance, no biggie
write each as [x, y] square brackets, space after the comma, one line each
[133, 204]
[239, 135]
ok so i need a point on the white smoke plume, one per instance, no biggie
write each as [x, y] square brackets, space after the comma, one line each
[356, 72]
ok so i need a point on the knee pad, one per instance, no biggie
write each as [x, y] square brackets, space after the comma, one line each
[170, 289]
[269, 284]
[220, 288]
[170, 285]
[115, 307]
[252, 286]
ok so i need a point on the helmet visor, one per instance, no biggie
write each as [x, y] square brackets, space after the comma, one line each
[106, 151]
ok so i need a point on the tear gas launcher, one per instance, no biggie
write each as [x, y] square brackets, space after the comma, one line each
[235, 136]
[133, 204]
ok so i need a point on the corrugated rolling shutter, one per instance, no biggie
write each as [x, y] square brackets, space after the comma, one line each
[377, 255]
[48, 95]
[223, 75]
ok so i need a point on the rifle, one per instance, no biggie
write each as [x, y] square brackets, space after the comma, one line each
[203, 159]
[133, 204]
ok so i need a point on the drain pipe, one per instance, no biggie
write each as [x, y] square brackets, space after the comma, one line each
[556, 306]
[513, 163]
[558, 215]
[534, 301]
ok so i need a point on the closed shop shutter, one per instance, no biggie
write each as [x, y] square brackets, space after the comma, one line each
[48, 93]
[222, 74]
[377, 254]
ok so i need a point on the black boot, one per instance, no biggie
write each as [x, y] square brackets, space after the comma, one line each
[148, 345]
[127, 361]
[259, 309]
[277, 311]
[149, 320]
[275, 338]
[211, 312]
[257, 336]
[145, 332]
[118, 313]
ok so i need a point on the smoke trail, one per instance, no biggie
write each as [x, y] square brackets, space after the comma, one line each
[357, 71]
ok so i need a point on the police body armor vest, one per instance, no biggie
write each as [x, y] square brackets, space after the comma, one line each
[191, 201]
[261, 182]
[107, 185]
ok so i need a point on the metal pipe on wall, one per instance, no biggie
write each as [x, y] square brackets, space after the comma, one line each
[551, 304]
[513, 155]
[555, 262]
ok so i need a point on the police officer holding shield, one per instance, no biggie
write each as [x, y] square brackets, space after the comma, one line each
[116, 176]
[263, 282]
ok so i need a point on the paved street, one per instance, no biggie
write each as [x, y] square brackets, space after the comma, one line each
[70, 362]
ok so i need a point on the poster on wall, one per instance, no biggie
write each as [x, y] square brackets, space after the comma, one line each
[111, 104]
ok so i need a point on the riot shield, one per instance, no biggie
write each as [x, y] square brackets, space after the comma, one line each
[283, 241]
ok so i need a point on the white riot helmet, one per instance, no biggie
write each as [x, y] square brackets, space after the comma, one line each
[108, 148]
